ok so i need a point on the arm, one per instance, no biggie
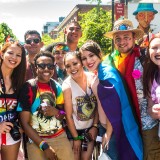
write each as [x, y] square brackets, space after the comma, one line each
[32, 134]
[70, 122]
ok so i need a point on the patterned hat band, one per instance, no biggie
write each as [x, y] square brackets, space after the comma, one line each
[122, 27]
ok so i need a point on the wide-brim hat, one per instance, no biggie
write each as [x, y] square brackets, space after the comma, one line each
[142, 7]
[124, 25]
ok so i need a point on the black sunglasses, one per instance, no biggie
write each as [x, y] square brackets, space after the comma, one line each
[43, 66]
[29, 41]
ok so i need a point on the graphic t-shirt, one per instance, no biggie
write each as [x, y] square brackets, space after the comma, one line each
[44, 125]
[84, 104]
[11, 100]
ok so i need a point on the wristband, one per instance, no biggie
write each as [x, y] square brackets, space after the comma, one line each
[95, 125]
[78, 138]
[61, 112]
[43, 146]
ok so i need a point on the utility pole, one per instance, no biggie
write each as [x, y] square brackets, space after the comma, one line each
[112, 22]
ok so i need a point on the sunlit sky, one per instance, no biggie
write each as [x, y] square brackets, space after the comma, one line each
[22, 15]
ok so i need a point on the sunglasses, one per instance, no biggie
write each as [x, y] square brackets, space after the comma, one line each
[29, 41]
[43, 66]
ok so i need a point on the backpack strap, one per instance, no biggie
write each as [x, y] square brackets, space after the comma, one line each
[53, 85]
[32, 83]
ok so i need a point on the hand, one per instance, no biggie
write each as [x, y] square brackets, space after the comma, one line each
[93, 132]
[156, 110]
[50, 154]
[77, 148]
[50, 111]
[105, 141]
[5, 127]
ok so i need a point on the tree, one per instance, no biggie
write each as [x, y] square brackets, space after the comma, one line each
[94, 26]
[46, 39]
[5, 32]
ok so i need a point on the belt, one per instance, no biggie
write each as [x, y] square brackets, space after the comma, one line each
[56, 134]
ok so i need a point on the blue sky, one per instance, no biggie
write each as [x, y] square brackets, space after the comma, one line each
[21, 15]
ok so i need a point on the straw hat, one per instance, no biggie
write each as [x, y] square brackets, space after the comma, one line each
[124, 25]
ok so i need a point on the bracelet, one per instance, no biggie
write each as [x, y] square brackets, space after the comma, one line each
[43, 145]
[61, 112]
[95, 125]
[78, 138]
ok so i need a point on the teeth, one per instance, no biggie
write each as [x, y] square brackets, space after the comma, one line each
[46, 74]
[12, 62]
[74, 72]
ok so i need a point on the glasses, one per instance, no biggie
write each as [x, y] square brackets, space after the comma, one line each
[43, 66]
[29, 41]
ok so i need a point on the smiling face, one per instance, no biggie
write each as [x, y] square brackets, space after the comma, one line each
[154, 51]
[12, 56]
[124, 42]
[33, 44]
[90, 60]
[45, 69]
[73, 66]
[73, 33]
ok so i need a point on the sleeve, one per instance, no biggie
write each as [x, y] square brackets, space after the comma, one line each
[59, 98]
[25, 98]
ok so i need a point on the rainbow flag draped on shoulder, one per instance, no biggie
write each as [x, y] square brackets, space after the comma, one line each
[115, 103]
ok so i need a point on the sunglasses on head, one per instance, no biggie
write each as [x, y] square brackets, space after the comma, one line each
[29, 41]
[43, 66]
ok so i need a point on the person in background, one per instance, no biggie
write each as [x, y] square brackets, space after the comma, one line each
[151, 85]
[33, 45]
[115, 112]
[41, 113]
[80, 107]
[73, 33]
[58, 50]
[12, 65]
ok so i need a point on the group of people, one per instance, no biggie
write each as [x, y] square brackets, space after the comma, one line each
[63, 96]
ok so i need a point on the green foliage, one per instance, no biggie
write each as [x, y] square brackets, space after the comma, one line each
[94, 26]
[46, 39]
[5, 31]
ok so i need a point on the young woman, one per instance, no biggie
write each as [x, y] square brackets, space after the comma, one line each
[151, 84]
[125, 140]
[12, 74]
[80, 107]
[41, 112]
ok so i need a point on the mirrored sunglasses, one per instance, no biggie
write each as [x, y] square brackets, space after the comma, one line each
[43, 66]
[29, 41]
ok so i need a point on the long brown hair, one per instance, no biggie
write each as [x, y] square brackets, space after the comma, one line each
[149, 72]
[18, 74]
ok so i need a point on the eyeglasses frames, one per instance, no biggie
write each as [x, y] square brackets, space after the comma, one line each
[43, 66]
[29, 41]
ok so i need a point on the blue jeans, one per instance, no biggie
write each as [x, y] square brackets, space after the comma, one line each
[112, 151]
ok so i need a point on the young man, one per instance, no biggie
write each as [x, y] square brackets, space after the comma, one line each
[41, 111]
[73, 33]
[128, 60]
[58, 50]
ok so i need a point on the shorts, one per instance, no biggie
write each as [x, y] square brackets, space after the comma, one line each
[60, 144]
[6, 139]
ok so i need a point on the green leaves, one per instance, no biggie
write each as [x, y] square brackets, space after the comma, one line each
[5, 31]
[95, 24]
